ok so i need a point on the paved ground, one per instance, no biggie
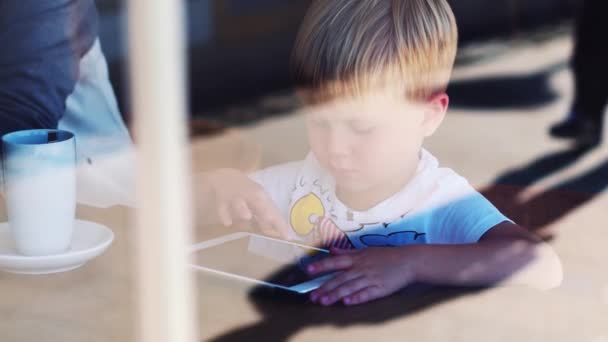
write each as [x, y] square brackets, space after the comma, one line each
[505, 96]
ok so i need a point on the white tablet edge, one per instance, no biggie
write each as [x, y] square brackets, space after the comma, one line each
[311, 284]
[239, 277]
[299, 288]
[238, 235]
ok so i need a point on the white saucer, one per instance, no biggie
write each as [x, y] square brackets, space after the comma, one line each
[89, 240]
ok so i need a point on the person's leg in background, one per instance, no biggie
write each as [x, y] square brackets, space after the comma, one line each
[590, 66]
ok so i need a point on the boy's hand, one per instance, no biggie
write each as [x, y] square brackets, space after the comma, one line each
[367, 275]
[239, 198]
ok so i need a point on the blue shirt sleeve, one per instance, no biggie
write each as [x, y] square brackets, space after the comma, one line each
[41, 43]
[464, 220]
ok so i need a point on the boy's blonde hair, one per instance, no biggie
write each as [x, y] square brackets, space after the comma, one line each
[350, 47]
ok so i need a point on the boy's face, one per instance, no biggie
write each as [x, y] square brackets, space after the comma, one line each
[369, 144]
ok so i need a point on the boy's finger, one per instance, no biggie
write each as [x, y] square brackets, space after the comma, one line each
[267, 230]
[268, 214]
[224, 214]
[363, 296]
[336, 263]
[266, 225]
[280, 226]
[345, 290]
[239, 206]
[333, 283]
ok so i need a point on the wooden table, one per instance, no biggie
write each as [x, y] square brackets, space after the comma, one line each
[97, 303]
[92, 303]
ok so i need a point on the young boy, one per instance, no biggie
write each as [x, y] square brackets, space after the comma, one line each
[374, 74]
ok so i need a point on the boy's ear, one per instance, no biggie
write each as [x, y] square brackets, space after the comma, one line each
[434, 113]
[304, 95]
[302, 92]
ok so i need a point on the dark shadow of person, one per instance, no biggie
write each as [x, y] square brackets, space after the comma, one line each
[539, 212]
[503, 92]
[286, 313]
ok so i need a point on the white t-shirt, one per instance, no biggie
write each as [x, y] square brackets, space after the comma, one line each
[437, 206]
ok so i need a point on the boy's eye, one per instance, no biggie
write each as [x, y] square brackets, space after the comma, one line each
[359, 129]
[319, 123]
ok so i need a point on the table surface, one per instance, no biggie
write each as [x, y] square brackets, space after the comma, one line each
[97, 301]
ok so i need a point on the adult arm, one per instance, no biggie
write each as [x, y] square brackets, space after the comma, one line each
[41, 44]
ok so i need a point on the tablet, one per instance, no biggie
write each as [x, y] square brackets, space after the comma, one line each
[262, 260]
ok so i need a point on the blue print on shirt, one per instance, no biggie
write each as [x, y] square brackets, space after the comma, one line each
[392, 235]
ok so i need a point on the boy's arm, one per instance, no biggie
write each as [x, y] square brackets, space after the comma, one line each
[506, 254]
[227, 195]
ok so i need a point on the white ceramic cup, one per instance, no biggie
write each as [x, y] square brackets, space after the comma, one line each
[39, 168]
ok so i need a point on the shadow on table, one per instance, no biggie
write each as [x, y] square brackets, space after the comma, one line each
[286, 313]
[543, 209]
[503, 92]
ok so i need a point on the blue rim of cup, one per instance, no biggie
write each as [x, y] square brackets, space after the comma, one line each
[19, 138]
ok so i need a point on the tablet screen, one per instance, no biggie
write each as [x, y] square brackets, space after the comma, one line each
[259, 258]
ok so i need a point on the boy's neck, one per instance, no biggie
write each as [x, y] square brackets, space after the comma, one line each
[367, 199]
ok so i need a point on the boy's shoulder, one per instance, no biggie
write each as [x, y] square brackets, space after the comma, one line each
[445, 193]
[445, 184]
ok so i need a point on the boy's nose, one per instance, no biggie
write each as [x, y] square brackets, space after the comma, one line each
[337, 144]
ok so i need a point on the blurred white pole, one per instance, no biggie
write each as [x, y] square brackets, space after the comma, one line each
[163, 218]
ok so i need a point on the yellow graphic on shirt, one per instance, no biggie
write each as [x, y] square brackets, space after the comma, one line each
[304, 214]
